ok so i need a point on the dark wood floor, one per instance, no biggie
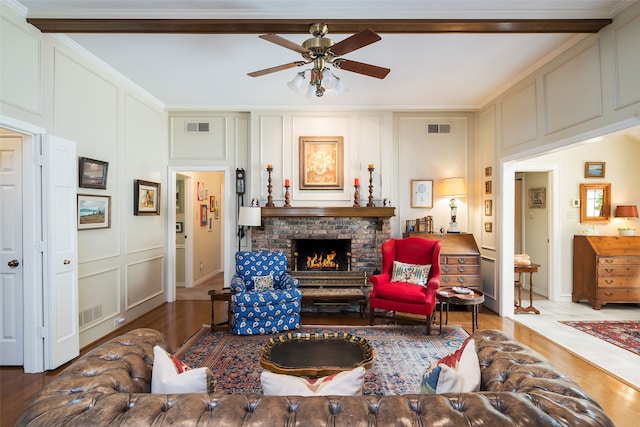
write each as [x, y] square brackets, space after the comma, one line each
[179, 320]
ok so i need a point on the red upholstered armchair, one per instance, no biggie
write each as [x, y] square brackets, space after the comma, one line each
[401, 296]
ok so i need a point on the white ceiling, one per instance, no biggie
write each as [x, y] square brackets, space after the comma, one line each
[428, 71]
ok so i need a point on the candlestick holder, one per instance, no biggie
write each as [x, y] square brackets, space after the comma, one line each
[269, 188]
[356, 196]
[371, 204]
[286, 197]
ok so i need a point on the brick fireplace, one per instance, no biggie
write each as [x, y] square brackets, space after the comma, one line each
[365, 229]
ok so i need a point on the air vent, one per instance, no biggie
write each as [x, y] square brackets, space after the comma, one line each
[438, 128]
[197, 127]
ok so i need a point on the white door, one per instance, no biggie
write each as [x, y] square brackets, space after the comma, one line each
[59, 171]
[11, 273]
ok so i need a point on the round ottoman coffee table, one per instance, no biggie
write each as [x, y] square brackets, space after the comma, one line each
[315, 355]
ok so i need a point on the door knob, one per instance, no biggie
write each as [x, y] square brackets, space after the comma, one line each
[66, 261]
[13, 263]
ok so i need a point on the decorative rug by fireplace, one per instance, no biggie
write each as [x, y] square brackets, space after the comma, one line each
[402, 353]
[624, 334]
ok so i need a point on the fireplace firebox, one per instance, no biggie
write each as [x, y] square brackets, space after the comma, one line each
[321, 254]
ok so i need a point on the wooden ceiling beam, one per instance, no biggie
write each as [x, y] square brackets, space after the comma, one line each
[300, 26]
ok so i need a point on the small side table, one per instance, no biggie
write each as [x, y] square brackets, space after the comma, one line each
[519, 270]
[448, 296]
[225, 296]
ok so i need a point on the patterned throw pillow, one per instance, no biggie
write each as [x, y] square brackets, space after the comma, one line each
[410, 273]
[347, 383]
[458, 372]
[263, 283]
[169, 377]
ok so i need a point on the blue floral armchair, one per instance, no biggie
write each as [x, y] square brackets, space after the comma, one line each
[266, 299]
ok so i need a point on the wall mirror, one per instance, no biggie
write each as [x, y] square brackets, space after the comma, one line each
[595, 202]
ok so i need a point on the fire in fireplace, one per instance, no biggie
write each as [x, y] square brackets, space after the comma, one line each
[321, 254]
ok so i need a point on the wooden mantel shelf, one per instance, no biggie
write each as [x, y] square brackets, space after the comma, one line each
[362, 212]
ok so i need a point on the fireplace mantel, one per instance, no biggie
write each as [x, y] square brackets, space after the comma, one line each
[362, 212]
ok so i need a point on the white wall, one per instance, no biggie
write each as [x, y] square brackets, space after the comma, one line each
[47, 82]
[590, 90]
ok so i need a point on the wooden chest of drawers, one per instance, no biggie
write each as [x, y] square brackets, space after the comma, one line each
[606, 269]
[459, 259]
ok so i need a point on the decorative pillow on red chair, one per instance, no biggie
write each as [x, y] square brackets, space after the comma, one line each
[410, 273]
[458, 372]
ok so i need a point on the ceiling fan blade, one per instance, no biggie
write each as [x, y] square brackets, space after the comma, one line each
[281, 41]
[356, 41]
[277, 68]
[361, 68]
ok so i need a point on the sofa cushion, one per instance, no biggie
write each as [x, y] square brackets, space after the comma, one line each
[401, 292]
[166, 377]
[457, 372]
[410, 273]
[347, 383]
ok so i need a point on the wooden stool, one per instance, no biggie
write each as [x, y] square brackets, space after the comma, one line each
[519, 269]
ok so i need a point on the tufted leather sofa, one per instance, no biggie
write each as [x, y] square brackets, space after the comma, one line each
[110, 386]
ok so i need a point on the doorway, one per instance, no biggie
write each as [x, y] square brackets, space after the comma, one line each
[200, 230]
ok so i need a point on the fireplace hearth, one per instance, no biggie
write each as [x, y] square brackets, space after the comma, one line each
[321, 254]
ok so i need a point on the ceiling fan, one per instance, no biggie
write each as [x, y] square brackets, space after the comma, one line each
[321, 51]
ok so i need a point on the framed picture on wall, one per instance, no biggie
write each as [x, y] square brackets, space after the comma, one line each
[488, 227]
[146, 197]
[321, 163]
[92, 173]
[421, 193]
[537, 198]
[179, 227]
[94, 212]
[487, 187]
[594, 169]
[488, 207]
[203, 215]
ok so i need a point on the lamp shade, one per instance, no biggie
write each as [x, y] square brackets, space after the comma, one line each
[250, 216]
[454, 187]
[626, 211]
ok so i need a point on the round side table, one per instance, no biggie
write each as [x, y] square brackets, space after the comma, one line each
[447, 296]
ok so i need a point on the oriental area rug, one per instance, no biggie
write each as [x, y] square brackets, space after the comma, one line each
[624, 334]
[402, 354]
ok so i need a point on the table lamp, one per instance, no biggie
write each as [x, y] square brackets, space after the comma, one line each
[454, 187]
[249, 216]
[626, 212]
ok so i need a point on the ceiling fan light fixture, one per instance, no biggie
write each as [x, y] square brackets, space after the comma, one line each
[297, 82]
[329, 81]
[340, 87]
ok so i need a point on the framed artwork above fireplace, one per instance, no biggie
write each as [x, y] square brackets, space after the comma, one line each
[321, 163]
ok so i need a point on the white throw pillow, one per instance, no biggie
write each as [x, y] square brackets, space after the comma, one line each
[458, 372]
[347, 383]
[263, 283]
[165, 378]
[410, 273]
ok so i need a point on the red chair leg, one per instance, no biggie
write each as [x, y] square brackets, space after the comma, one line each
[372, 316]
[428, 325]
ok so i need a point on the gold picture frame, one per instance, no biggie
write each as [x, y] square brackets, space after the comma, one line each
[321, 163]
[537, 198]
[421, 193]
[594, 169]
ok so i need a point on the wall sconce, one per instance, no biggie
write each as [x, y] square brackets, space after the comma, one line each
[454, 187]
[626, 211]
[249, 217]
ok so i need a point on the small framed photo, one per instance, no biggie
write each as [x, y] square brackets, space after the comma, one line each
[203, 215]
[179, 227]
[537, 198]
[93, 173]
[146, 197]
[421, 193]
[594, 169]
[212, 203]
[487, 187]
[488, 207]
[200, 190]
[487, 171]
[94, 212]
[488, 227]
